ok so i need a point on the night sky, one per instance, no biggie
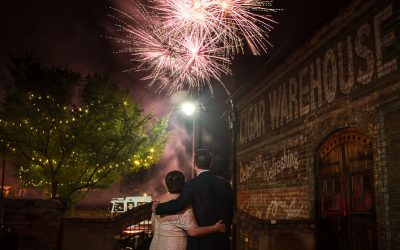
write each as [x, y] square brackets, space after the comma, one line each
[70, 32]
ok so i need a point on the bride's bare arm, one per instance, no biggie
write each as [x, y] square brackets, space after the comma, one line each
[201, 231]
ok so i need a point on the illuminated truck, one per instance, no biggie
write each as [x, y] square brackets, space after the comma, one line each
[121, 205]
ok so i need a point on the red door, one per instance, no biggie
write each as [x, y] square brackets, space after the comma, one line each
[346, 193]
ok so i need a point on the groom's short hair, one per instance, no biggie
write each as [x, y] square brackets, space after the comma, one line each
[202, 159]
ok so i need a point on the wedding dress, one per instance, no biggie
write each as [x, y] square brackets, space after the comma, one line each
[169, 233]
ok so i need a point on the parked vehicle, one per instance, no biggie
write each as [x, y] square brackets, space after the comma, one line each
[121, 205]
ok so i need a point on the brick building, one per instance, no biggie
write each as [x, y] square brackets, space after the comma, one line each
[317, 148]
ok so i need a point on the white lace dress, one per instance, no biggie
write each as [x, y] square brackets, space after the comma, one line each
[170, 234]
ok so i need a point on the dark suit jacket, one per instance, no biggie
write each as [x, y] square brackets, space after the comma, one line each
[212, 199]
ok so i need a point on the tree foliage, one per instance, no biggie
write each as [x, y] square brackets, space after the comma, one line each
[66, 141]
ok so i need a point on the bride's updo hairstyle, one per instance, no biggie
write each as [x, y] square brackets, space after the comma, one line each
[175, 181]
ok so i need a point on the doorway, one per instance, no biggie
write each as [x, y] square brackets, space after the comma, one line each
[346, 206]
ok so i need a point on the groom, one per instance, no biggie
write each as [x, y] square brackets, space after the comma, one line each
[212, 199]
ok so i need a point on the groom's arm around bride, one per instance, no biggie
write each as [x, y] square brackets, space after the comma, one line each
[212, 199]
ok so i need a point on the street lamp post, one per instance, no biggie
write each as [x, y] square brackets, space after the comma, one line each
[2, 178]
[193, 142]
[190, 109]
[2, 190]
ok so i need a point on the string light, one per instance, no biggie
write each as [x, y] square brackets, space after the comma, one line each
[37, 129]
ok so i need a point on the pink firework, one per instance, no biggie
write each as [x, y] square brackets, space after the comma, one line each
[197, 61]
[202, 60]
[174, 62]
[187, 15]
[145, 41]
[233, 20]
[184, 44]
[247, 19]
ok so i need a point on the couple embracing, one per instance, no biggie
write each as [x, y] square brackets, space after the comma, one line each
[196, 215]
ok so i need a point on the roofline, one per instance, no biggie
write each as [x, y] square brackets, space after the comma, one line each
[290, 46]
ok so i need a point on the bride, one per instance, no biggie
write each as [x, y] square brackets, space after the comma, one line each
[170, 232]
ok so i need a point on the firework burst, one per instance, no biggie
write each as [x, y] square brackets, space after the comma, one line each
[233, 20]
[246, 19]
[201, 61]
[184, 44]
[186, 15]
[196, 60]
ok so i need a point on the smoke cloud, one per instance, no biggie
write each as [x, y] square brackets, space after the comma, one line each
[177, 155]
[73, 33]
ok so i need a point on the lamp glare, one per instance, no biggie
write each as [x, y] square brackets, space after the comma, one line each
[188, 108]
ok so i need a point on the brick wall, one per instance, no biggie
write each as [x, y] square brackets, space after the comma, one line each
[100, 233]
[274, 235]
[41, 225]
[391, 172]
[36, 222]
[344, 76]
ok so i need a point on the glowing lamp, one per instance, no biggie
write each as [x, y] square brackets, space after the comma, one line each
[188, 108]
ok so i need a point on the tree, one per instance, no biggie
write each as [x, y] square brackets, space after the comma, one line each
[66, 143]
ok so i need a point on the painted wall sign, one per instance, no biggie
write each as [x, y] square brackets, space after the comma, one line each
[275, 204]
[344, 67]
[269, 169]
[281, 162]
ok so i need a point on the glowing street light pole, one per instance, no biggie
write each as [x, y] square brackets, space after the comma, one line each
[189, 109]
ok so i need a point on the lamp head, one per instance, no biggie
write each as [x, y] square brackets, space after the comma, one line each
[188, 108]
